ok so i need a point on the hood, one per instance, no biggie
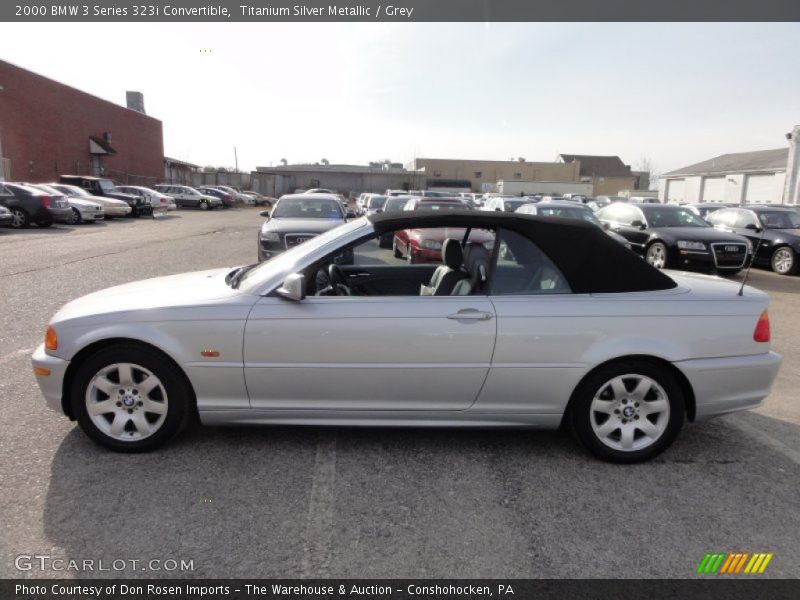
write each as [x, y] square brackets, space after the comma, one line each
[129, 198]
[187, 289]
[281, 225]
[697, 234]
[85, 203]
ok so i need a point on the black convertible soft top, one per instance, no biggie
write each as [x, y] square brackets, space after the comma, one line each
[591, 261]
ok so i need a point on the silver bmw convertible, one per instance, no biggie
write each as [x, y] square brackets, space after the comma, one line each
[510, 321]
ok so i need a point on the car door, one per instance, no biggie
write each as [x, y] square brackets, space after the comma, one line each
[369, 353]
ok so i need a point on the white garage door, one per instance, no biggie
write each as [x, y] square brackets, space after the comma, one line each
[760, 188]
[713, 189]
[675, 190]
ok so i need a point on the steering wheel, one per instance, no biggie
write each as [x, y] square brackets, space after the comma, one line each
[338, 280]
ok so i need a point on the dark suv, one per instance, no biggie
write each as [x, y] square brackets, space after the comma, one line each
[100, 186]
[29, 205]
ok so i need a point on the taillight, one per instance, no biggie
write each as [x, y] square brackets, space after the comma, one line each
[45, 201]
[762, 333]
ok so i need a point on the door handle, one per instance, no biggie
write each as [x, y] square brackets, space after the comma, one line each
[470, 314]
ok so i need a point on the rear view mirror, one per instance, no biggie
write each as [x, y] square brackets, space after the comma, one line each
[293, 288]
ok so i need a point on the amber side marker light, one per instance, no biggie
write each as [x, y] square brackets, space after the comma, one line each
[209, 353]
[762, 332]
[41, 371]
[50, 339]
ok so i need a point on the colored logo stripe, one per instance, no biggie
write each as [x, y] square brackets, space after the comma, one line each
[729, 563]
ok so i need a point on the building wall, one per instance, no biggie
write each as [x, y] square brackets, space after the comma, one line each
[279, 181]
[735, 188]
[610, 186]
[489, 172]
[45, 128]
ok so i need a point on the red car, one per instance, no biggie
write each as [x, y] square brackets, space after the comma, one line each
[425, 245]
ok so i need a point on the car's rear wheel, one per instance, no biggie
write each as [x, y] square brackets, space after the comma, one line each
[628, 411]
[784, 261]
[656, 255]
[130, 398]
[19, 219]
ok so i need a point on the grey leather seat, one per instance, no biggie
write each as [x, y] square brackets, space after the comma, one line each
[476, 261]
[446, 276]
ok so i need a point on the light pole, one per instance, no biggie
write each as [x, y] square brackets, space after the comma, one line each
[2, 162]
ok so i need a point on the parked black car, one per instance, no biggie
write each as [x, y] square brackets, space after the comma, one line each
[100, 186]
[225, 197]
[773, 230]
[673, 237]
[5, 217]
[295, 219]
[29, 205]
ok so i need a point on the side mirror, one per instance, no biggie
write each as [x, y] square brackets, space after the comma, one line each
[293, 288]
[753, 227]
[378, 210]
[264, 213]
[350, 214]
[639, 224]
[498, 210]
[606, 226]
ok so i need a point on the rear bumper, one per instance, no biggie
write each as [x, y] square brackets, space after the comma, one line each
[730, 384]
[60, 215]
[52, 385]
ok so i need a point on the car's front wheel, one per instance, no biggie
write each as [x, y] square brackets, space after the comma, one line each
[130, 398]
[203, 205]
[784, 261]
[75, 217]
[628, 411]
[656, 255]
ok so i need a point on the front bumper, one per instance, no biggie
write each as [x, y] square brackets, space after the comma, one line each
[52, 385]
[692, 260]
[91, 215]
[730, 384]
[117, 211]
[5, 219]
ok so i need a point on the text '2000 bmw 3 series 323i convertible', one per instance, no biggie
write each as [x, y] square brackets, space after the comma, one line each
[525, 321]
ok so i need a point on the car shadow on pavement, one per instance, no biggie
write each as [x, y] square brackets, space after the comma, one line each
[315, 502]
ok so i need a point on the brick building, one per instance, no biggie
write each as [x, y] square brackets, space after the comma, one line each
[48, 129]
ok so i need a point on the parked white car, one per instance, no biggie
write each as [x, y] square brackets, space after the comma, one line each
[83, 209]
[111, 206]
[509, 331]
[160, 202]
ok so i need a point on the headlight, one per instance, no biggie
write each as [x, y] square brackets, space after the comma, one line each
[684, 245]
[270, 236]
[431, 245]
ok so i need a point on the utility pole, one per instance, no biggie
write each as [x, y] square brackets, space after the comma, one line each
[236, 159]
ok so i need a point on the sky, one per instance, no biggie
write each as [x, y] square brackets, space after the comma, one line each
[674, 94]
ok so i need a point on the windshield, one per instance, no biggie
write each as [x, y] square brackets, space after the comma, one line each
[780, 219]
[307, 208]
[285, 260]
[512, 205]
[394, 204]
[425, 206]
[106, 185]
[661, 217]
[568, 212]
[73, 190]
[376, 202]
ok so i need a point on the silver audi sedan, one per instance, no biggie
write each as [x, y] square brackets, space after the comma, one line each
[521, 321]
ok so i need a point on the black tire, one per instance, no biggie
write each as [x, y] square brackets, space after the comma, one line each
[580, 414]
[784, 261]
[204, 205]
[21, 220]
[76, 218]
[396, 250]
[180, 399]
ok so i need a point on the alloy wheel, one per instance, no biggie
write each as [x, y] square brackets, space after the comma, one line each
[783, 261]
[630, 412]
[18, 218]
[657, 256]
[126, 402]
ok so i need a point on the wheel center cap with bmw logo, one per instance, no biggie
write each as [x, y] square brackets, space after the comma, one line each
[627, 412]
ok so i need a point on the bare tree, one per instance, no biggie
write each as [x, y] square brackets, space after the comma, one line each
[645, 164]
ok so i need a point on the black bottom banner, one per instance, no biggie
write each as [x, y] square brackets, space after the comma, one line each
[397, 589]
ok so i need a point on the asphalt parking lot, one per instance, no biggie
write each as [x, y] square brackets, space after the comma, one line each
[317, 502]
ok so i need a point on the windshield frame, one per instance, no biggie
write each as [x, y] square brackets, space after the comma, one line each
[288, 202]
[648, 209]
